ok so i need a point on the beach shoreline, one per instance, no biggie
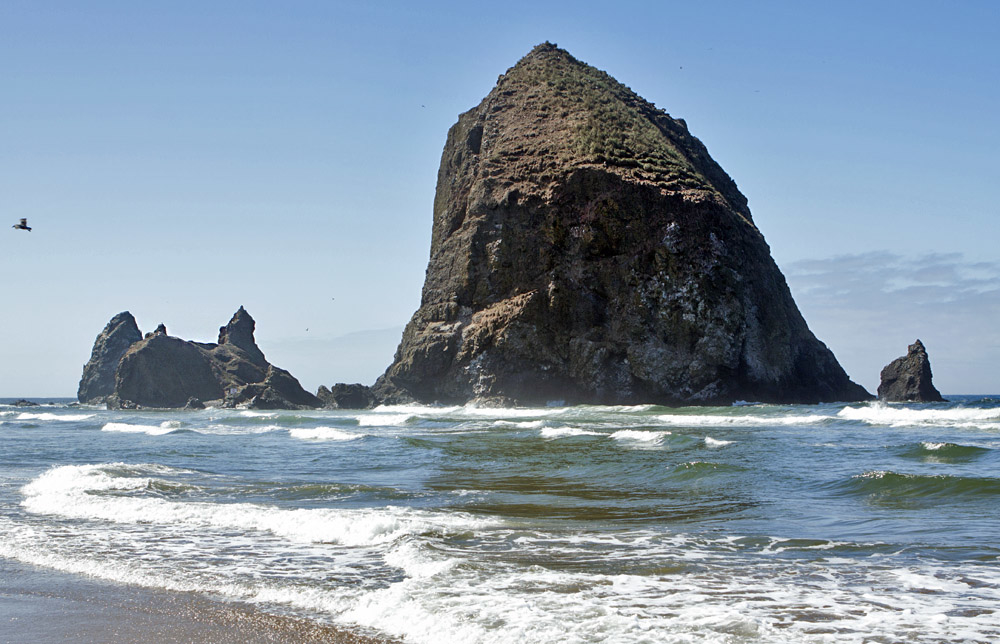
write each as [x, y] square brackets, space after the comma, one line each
[44, 606]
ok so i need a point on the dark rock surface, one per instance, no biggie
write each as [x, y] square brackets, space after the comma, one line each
[908, 379]
[347, 396]
[239, 333]
[24, 403]
[278, 390]
[163, 371]
[194, 403]
[98, 379]
[586, 248]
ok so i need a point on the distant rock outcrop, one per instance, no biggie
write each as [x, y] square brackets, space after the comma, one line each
[160, 370]
[908, 379]
[344, 396]
[98, 381]
[586, 248]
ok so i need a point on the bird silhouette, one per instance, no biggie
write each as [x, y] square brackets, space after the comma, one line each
[23, 225]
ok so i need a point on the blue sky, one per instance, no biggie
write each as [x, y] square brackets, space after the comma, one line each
[181, 159]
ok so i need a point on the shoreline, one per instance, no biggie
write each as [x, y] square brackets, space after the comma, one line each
[42, 606]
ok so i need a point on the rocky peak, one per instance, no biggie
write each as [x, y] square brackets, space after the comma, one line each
[908, 378]
[98, 380]
[239, 333]
[586, 247]
[163, 371]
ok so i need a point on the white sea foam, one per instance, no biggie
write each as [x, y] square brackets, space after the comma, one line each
[712, 602]
[523, 424]
[561, 432]
[719, 594]
[714, 442]
[51, 416]
[238, 430]
[153, 430]
[706, 420]
[323, 434]
[640, 435]
[384, 420]
[507, 412]
[75, 491]
[883, 414]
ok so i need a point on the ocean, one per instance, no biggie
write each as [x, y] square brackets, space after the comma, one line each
[750, 523]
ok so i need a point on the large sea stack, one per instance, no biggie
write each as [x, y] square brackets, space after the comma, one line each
[908, 378]
[586, 248]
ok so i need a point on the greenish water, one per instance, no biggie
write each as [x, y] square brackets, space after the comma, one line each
[753, 523]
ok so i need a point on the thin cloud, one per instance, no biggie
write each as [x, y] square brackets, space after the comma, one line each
[867, 307]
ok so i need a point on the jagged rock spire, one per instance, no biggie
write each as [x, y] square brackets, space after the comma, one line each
[239, 332]
[908, 378]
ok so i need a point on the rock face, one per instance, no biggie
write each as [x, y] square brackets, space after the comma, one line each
[164, 371]
[160, 370]
[586, 248]
[344, 396]
[908, 379]
[98, 379]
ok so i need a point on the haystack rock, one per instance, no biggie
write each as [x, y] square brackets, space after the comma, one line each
[908, 379]
[98, 380]
[160, 370]
[586, 248]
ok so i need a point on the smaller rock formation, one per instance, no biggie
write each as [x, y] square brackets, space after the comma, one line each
[908, 379]
[344, 396]
[159, 370]
[98, 379]
[24, 403]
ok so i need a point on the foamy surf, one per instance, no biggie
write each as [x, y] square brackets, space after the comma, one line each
[384, 420]
[165, 427]
[899, 416]
[67, 418]
[651, 437]
[707, 420]
[323, 434]
[83, 492]
[563, 432]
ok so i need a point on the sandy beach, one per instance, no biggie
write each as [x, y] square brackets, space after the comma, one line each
[43, 606]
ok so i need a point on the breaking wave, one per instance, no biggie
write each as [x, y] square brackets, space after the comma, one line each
[898, 416]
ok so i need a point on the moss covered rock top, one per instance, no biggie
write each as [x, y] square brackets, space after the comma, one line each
[551, 113]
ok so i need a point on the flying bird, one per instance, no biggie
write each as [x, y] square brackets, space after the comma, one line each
[23, 225]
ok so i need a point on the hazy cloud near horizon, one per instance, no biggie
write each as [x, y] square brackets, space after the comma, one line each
[868, 307]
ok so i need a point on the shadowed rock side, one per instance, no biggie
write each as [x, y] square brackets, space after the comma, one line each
[908, 379]
[163, 371]
[586, 248]
[347, 396]
[98, 380]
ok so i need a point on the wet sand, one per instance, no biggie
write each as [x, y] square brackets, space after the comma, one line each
[42, 606]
